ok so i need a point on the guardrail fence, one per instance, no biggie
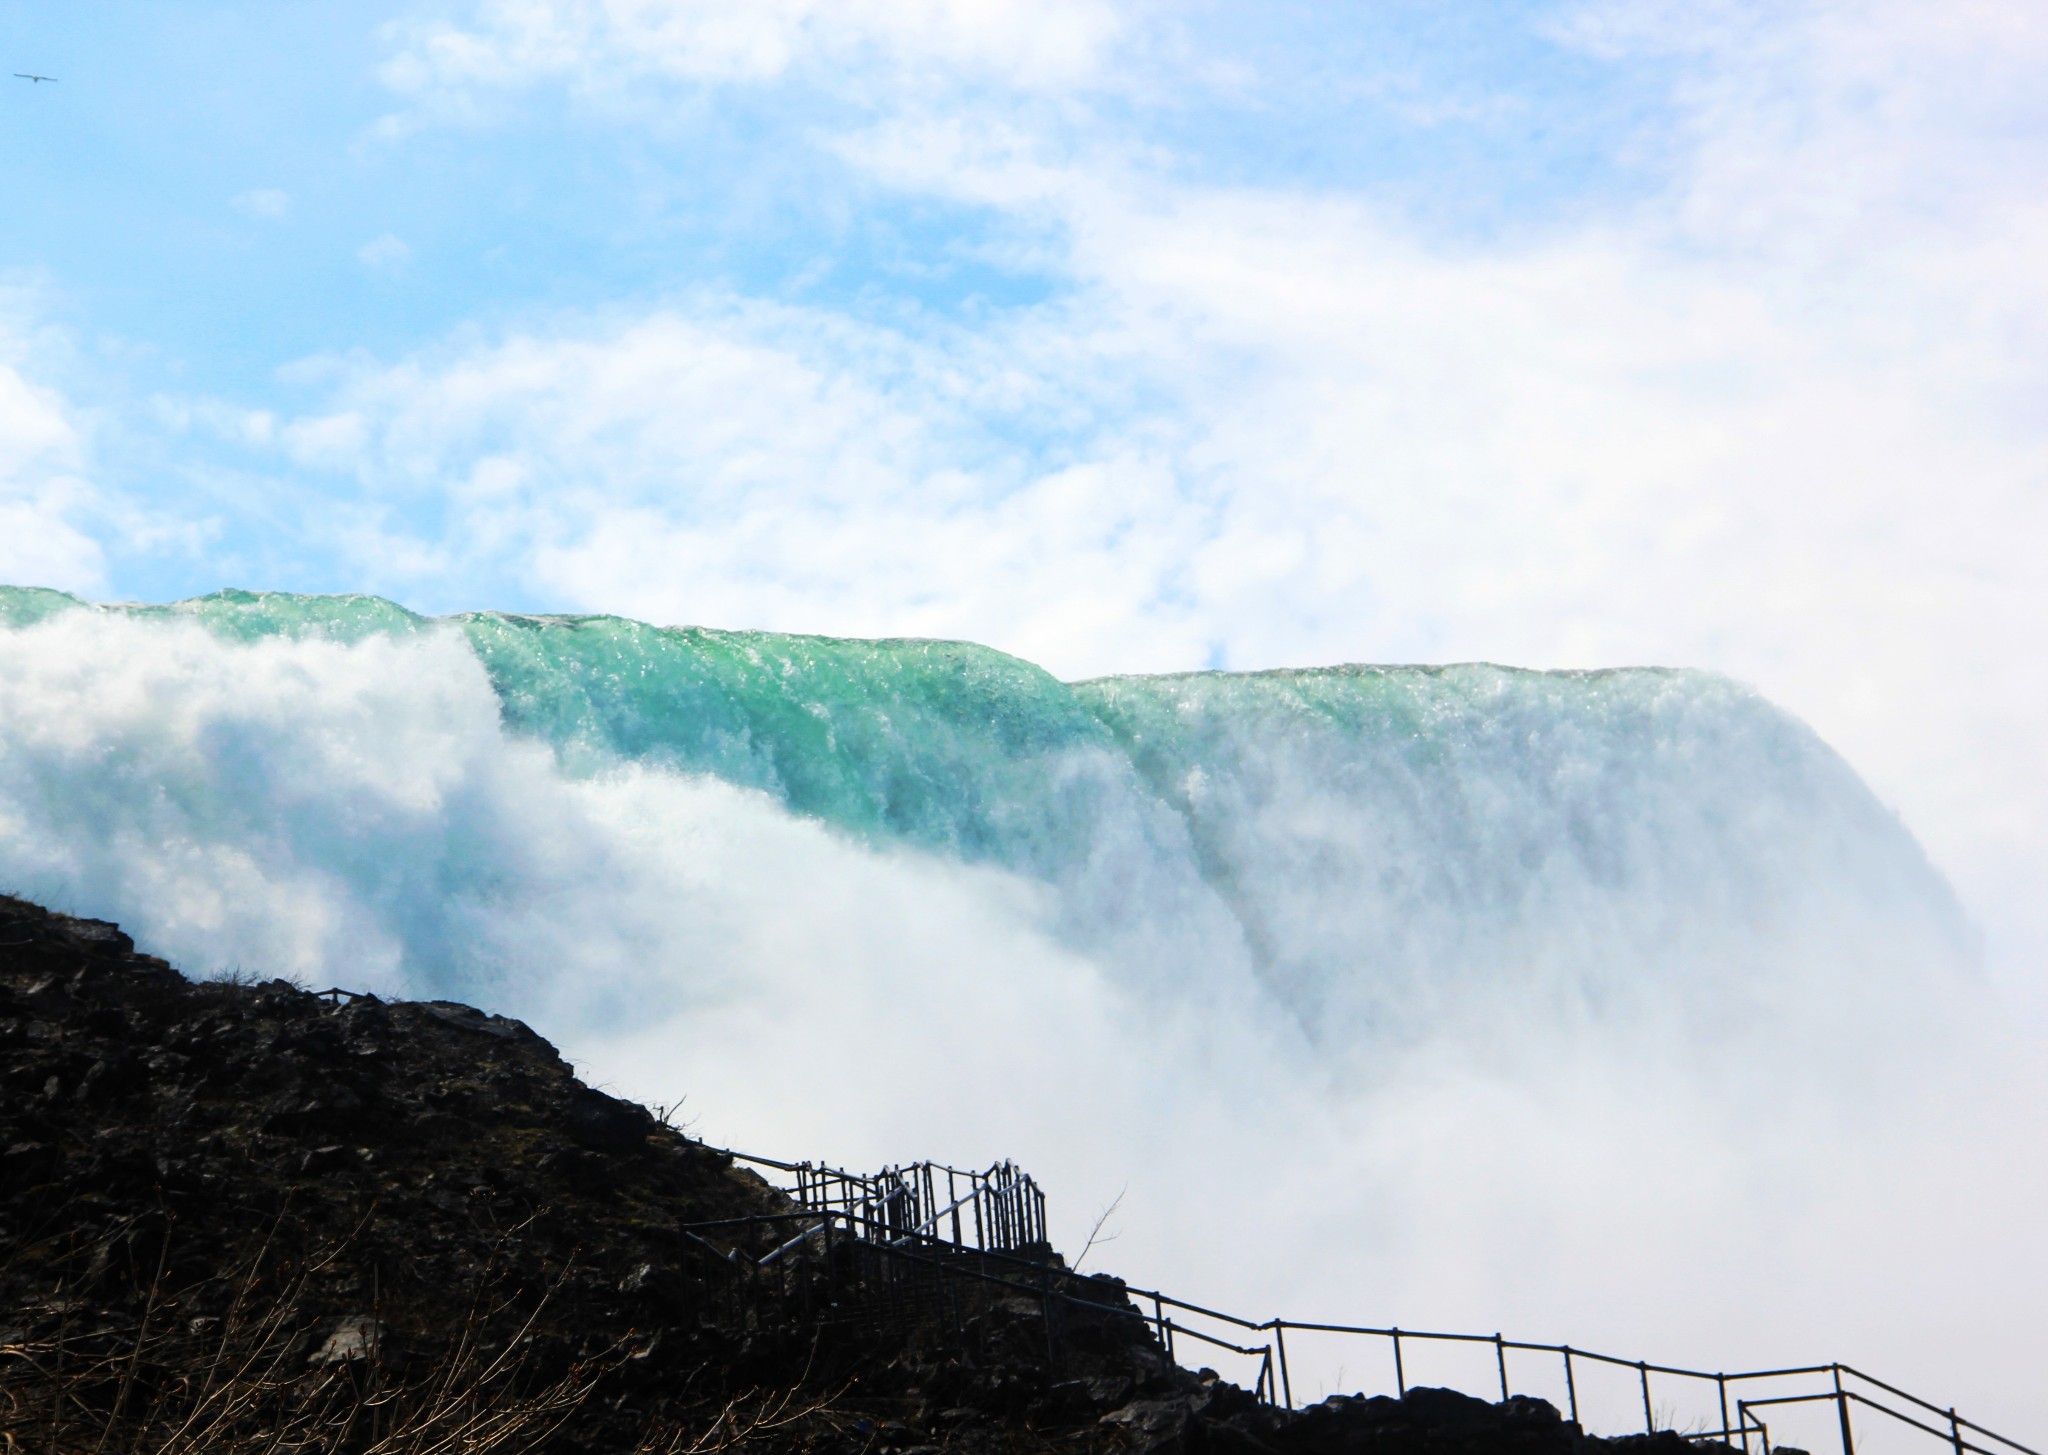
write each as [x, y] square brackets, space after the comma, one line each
[1000, 1211]
[924, 1233]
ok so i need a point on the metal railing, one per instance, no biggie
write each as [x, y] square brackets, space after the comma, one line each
[923, 1216]
[1001, 1210]
[1730, 1407]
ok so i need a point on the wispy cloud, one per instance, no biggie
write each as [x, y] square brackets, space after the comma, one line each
[265, 202]
[47, 505]
[603, 52]
[742, 463]
[385, 251]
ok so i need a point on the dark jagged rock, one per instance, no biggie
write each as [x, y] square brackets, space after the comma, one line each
[397, 1187]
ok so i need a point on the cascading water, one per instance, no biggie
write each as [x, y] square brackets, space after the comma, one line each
[1480, 965]
[1372, 845]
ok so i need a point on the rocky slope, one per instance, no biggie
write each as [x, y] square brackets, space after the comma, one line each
[240, 1217]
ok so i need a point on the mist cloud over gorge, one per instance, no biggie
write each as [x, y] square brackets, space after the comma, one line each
[1549, 1061]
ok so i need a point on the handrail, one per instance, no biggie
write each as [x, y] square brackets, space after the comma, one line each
[1014, 1184]
[1019, 1205]
[1948, 1414]
[1009, 1208]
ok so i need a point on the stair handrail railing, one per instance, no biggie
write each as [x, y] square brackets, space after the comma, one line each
[1009, 1217]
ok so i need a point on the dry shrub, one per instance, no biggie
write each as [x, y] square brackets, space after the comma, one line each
[260, 1379]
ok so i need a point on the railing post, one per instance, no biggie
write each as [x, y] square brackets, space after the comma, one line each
[1955, 1430]
[1052, 1353]
[1287, 1384]
[1649, 1419]
[1721, 1385]
[1400, 1377]
[1842, 1411]
[1571, 1388]
[1500, 1354]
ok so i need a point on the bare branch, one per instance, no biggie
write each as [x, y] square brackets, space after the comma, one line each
[1095, 1234]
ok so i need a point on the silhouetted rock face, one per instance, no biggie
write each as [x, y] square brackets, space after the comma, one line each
[1210, 1417]
[401, 1185]
[229, 1114]
[377, 1172]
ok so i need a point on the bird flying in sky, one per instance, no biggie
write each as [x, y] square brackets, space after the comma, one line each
[27, 76]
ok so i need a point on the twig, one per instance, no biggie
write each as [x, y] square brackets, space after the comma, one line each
[1095, 1234]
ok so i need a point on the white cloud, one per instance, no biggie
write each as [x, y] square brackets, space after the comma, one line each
[767, 466]
[43, 493]
[600, 48]
[39, 544]
[384, 251]
[265, 202]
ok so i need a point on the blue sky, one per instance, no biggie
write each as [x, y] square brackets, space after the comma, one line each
[200, 184]
[1124, 336]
